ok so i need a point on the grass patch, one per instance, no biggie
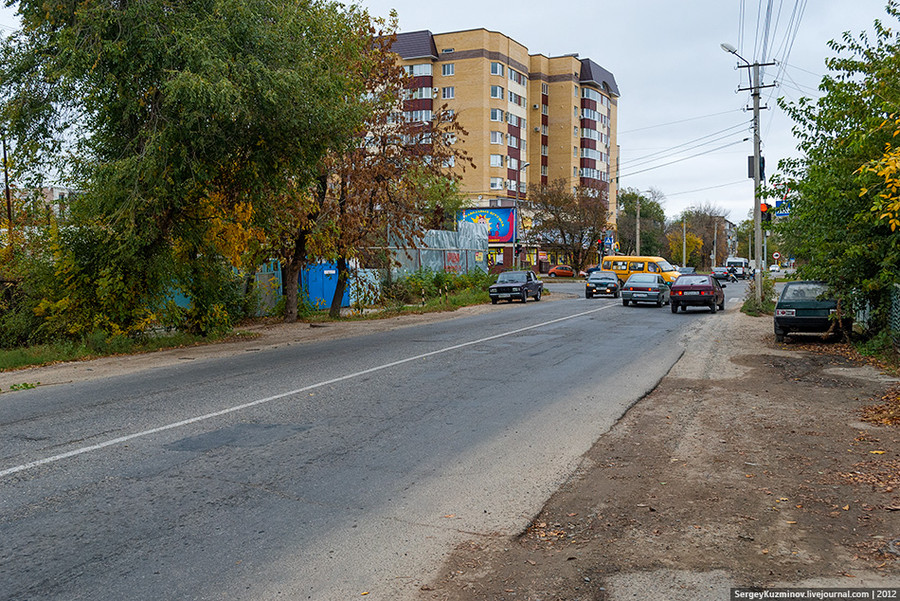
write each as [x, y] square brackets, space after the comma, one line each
[97, 346]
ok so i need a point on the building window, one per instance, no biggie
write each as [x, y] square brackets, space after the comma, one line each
[510, 184]
[447, 50]
[517, 77]
[544, 170]
[418, 94]
[497, 183]
[496, 137]
[545, 130]
[516, 99]
[575, 151]
[497, 92]
[544, 150]
[448, 93]
[512, 119]
[575, 131]
[417, 116]
[512, 141]
[496, 68]
[545, 110]
[512, 163]
[575, 92]
[448, 69]
[545, 88]
[496, 114]
[496, 160]
[418, 70]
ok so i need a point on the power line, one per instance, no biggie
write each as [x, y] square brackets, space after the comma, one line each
[619, 175]
[680, 121]
[742, 181]
[647, 158]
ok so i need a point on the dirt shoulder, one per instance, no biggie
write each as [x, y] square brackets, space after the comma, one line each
[747, 466]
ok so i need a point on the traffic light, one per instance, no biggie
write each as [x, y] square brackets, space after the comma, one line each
[766, 211]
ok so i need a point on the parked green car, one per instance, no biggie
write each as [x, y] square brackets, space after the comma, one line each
[806, 306]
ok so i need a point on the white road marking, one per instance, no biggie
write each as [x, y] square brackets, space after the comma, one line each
[269, 399]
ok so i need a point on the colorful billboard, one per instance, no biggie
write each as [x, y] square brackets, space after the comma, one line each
[501, 222]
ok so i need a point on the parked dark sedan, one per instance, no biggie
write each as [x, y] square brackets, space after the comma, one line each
[512, 285]
[806, 306]
[645, 288]
[601, 282]
[697, 290]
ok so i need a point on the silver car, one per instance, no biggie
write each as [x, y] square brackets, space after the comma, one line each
[645, 288]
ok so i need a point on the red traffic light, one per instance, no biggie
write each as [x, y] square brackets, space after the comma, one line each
[764, 207]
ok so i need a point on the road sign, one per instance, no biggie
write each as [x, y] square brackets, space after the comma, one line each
[776, 256]
[782, 208]
[608, 240]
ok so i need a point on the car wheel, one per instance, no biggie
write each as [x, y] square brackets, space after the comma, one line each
[674, 307]
[625, 302]
[588, 295]
[537, 296]
[616, 294]
[659, 302]
[712, 307]
[524, 296]
[779, 337]
[493, 301]
[552, 275]
[722, 305]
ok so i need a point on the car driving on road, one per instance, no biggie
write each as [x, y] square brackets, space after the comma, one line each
[601, 282]
[645, 288]
[697, 290]
[516, 285]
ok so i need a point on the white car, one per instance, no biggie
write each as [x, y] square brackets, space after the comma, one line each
[773, 267]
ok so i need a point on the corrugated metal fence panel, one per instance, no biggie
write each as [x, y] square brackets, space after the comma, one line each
[268, 290]
[895, 316]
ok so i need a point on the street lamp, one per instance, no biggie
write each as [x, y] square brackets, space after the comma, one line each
[754, 88]
[516, 207]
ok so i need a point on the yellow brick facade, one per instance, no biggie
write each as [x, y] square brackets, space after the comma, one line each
[563, 110]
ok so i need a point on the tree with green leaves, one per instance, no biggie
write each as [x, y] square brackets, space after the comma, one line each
[832, 229]
[653, 222]
[569, 222]
[173, 118]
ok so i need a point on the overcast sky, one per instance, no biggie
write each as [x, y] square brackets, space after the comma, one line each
[678, 88]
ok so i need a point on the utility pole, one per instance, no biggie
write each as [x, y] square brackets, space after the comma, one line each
[754, 88]
[9, 222]
[637, 227]
[683, 242]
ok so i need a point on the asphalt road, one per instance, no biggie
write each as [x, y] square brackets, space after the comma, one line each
[319, 471]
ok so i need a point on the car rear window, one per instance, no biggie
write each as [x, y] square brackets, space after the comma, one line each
[642, 278]
[692, 280]
[804, 291]
[603, 275]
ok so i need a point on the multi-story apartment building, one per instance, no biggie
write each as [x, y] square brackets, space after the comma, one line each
[530, 119]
